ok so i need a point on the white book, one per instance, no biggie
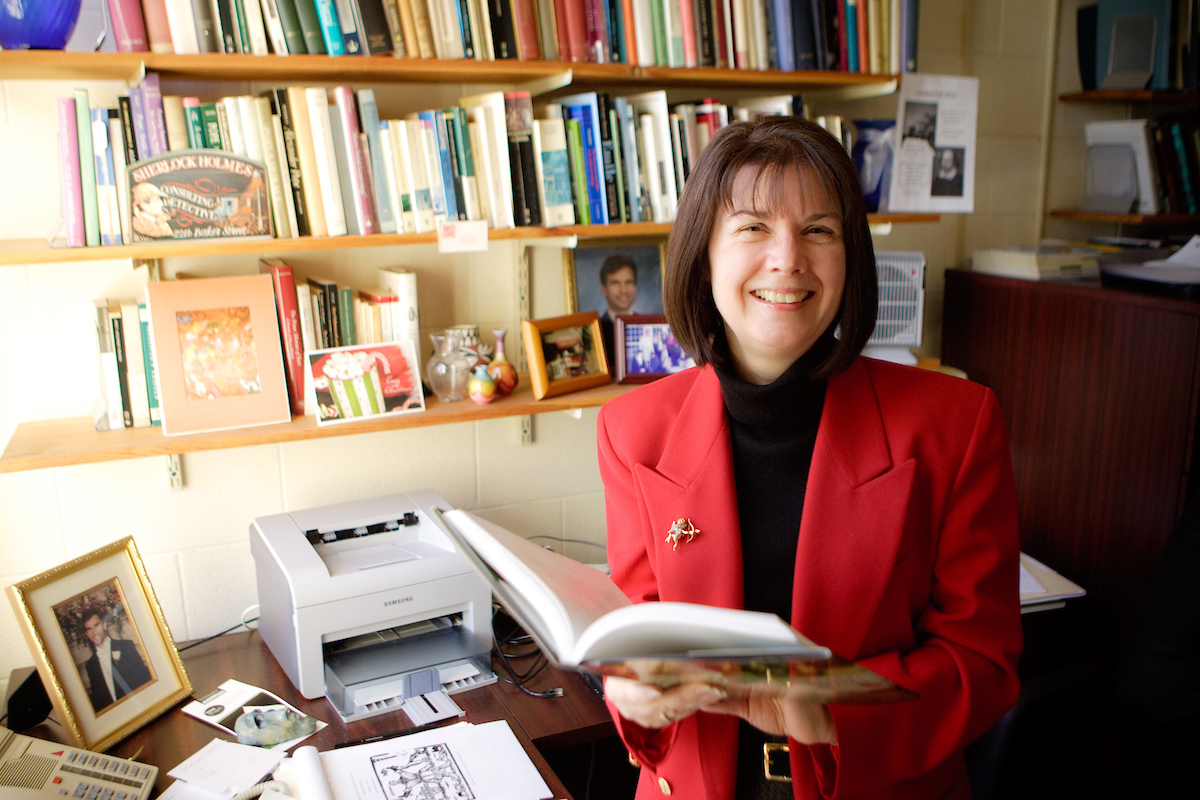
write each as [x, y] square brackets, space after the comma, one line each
[393, 179]
[116, 136]
[110, 380]
[176, 121]
[409, 139]
[343, 124]
[447, 36]
[553, 172]
[652, 166]
[233, 119]
[106, 187]
[275, 34]
[182, 24]
[487, 110]
[479, 50]
[406, 317]
[741, 34]
[630, 160]
[643, 32]
[327, 173]
[758, 21]
[304, 307]
[256, 28]
[579, 617]
[276, 183]
[673, 29]
[1134, 133]
[727, 45]
[483, 171]
[248, 115]
[135, 364]
[289, 202]
[426, 153]
[654, 104]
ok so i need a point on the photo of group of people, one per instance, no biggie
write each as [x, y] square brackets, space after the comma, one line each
[648, 349]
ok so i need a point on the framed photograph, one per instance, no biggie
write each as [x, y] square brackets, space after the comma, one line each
[614, 278]
[101, 645]
[365, 381]
[646, 349]
[220, 359]
[565, 354]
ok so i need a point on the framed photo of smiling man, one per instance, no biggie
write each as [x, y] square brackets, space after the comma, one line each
[614, 278]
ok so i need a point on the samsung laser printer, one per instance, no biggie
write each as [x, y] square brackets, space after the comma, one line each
[370, 604]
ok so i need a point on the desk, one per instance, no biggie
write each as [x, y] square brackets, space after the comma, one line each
[578, 716]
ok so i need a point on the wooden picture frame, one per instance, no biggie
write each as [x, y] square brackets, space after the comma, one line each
[646, 349]
[101, 600]
[565, 354]
[233, 321]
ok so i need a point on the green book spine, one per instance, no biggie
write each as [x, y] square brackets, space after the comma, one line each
[578, 172]
[346, 315]
[195, 123]
[310, 26]
[289, 19]
[660, 33]
[151, 365]
[87, 169]
[619, 160]
[243, 32]
[212, 126]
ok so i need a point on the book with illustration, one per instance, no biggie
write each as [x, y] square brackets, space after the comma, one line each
[582, 621]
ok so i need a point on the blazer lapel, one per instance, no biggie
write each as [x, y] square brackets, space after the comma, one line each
[854, 515]
[693, 480]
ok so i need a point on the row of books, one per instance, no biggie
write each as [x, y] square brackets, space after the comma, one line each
[314, 314]
[334, 167]
[875, 36]
[1164, 154]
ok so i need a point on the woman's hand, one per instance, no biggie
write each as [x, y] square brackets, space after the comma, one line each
[652, 707]
[806, 721]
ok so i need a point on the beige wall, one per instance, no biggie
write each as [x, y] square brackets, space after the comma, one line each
[194, 541]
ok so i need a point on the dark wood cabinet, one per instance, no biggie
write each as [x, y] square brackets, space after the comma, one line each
[1099, 392]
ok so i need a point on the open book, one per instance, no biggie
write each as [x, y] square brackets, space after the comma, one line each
[581, 620]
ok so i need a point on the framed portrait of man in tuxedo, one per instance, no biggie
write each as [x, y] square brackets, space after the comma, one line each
[101, 643]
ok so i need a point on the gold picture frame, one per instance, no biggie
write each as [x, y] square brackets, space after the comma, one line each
[582, 265]
[565, 354]
[101, 602]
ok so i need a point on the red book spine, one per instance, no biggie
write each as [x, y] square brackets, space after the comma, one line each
[577, 42]
[560, 27]
[128, 26]
[158, 29]
[289, 329]
[72, 190]
[687, 20]
[843, 44]
[525, 22]
[864, 53]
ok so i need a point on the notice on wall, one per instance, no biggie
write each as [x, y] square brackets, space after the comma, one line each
[934, 168]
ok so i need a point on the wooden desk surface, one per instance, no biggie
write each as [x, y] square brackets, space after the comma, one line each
[578, 716]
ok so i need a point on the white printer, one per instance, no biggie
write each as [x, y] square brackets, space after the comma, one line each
[369, 603]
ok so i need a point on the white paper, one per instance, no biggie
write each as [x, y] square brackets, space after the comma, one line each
[222, 707]
[179, 790]
[463, 236]
[934, 168]
[222, 766]
[1186, 256]
[485, 762]
[1030, 584]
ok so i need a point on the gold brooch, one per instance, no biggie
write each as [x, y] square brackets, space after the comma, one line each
[679, 529]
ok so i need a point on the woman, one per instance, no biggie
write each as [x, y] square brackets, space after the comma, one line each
[870, 505]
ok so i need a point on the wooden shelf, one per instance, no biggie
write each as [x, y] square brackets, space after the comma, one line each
[65, 442]
[37, 251]
[57, 65]
[1126, 219]
[1129, 96]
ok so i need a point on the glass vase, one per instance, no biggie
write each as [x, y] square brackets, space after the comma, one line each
[448, 370]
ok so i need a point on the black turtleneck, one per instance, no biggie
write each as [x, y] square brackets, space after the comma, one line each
[773, 430]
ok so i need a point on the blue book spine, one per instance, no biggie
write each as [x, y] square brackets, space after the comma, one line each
[446, 164]
[591, 161]
[781, 33]
[852, 35]
[437, 188]
[368, 113]
[348, 23]
[331, 28]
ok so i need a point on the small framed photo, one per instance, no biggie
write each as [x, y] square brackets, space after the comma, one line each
[101, 645]
[219, 356]
[647, 350]
[565, 354]
[367, 381]
[614, 278]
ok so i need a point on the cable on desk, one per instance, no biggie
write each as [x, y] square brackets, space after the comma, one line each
[257, 789]
[244, 624]
[518, 637]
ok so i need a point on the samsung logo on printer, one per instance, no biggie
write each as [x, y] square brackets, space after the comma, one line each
[398, 601]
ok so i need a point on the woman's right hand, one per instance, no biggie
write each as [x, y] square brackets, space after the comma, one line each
[652, 707]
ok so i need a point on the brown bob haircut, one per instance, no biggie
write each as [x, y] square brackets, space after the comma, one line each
[772, 144]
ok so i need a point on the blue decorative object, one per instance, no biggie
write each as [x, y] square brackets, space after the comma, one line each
[37, 24]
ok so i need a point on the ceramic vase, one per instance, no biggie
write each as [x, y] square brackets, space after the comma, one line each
[501, 369]
[481, 388]
[448, 370]
[470, 344]
[37, 24]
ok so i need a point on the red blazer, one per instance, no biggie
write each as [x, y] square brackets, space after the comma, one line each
[907, 563]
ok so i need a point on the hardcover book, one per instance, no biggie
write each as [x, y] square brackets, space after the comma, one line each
[519, 123]
[198, 194]
[580, 620]
[283, 282]
[326, 168]
[87, 168]
[356, 197]
[310, 27]
[158, 28]
[368, 113]
[128, 25]
[68, 157]
[554, 172]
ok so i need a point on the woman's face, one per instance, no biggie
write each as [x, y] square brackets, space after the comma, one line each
[777, 272]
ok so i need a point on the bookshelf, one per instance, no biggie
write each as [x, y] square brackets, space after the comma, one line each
[62, 442]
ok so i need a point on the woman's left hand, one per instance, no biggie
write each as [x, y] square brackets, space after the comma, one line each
[805, 721]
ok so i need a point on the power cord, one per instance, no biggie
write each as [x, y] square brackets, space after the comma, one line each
[245, 623]
[257, 789]
[517, 638]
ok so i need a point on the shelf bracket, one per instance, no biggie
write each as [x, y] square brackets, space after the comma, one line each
[563, 242]
[860, 92]
[548, 83]
[175, 471]
[526, 421]
[574, 413]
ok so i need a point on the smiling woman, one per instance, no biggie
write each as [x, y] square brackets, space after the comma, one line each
[870, 505]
